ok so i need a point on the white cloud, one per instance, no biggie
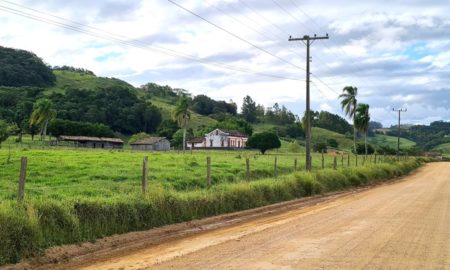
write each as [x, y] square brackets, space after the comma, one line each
[371, 46]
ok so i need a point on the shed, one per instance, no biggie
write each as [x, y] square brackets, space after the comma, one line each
[91, 142]
[196, 142]
[152, 144]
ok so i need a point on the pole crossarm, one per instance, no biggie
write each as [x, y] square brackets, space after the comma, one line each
[308, 40]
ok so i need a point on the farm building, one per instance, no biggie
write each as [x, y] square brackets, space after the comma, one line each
[219, 138]
[196, 142]
[152, 144]
[90, 142]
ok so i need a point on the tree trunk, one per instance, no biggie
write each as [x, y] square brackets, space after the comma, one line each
[184, 139]
[354, 139]
[44, 129]
[365, 141]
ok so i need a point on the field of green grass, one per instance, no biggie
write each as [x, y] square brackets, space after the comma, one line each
[65, 79]
[391, 142]
[69, 173]
[320, 134]
[443, 148]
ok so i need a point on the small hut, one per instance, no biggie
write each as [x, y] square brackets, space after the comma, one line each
[90, 142]
[151, 144]
[196, 142]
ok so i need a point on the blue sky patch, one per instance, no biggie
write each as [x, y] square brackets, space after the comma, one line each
[107, 56]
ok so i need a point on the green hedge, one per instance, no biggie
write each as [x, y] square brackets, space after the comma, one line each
[27, 228]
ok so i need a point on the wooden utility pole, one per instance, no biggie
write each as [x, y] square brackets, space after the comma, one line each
[144, 174]
[398, 131]
[208, 171]
[22, 178]
[308, 40]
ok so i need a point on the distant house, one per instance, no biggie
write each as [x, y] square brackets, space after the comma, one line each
[196, 142]
[90, 142]
[220, 138]
[151, 144]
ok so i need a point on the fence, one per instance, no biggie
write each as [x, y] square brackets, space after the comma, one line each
[333, 161]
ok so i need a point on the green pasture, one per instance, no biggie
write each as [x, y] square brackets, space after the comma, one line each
[391, 142]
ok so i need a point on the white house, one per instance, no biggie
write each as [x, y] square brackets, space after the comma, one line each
[219, 138]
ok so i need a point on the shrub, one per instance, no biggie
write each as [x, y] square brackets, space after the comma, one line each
[264, 141]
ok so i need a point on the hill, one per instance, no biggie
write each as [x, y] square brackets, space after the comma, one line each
[391, 142]
[23, 68]
[443, 148]
[320, 134]
[66, 79]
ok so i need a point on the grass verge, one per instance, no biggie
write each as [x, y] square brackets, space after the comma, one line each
[28, 228]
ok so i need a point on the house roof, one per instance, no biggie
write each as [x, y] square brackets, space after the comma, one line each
[230, 132]
[149, 141]
[234, 133]
[196, 140]
[90, 139]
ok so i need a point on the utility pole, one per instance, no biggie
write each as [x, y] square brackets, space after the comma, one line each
[308, 40]
[398, 133]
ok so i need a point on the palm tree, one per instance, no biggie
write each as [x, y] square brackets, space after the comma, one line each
[42, 114]
[348, 104]
[181, 115]
[362, 119]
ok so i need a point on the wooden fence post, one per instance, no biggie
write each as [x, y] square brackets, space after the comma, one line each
[356, 160]
[247, 166]
[348, 160]
[375, 159]
[275, 167]
[144, 174]
[364, 160]
[342, 160]
[323, 160]
[22, 178]
[335, 162]
[295, 164]
[208, 171]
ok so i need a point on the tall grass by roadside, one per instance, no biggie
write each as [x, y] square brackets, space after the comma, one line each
[28, 228]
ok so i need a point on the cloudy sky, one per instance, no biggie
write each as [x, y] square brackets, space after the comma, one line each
[397, 53]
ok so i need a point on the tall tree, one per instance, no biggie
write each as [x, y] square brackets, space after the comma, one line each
[43, 112]
[182, 115]
[362, 119]
[249, 109]
[4, 131]
[348, 104]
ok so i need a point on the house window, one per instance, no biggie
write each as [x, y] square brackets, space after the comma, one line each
[222, 142]
[217, 132]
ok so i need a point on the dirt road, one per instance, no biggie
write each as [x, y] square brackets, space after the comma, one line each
[405, 225]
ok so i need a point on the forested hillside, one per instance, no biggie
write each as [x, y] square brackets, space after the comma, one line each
[23, 68]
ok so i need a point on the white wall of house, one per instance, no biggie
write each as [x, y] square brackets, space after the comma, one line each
[218, 138]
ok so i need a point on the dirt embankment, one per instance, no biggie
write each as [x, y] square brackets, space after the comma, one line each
[404, 225]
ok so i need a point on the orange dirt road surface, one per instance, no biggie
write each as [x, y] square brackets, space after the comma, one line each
[404, 225]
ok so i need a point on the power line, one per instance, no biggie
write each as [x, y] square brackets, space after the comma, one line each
[233, 35]
[128, 42]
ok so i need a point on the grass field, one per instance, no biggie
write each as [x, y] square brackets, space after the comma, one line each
[391, 142]
[443, 148]
[320, 134]
[64, 173]
[71, 79]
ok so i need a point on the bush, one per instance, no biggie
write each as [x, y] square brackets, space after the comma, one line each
[361, 149]
[264, 141]
[319, 147]
[332, 143]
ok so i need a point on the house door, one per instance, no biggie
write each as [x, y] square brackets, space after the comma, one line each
[210, 143]
[239, 144]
